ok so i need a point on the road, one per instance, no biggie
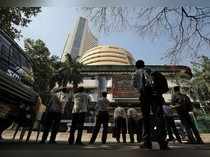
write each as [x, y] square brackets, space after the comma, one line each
[98, 150]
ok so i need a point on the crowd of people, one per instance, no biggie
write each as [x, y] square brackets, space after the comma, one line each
[153, 122]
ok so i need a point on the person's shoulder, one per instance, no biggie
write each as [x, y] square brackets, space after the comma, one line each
[122, 108]
[131, 109]
[117, 108]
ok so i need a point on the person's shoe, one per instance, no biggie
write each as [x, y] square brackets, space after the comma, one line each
[179, 140]
[70, 142]
[91, 142]
[42, 142]
[199, 142]
[146, 146]
[79, 143]
[170, 139]
[164, 146]
[2, 140]
[190, 142]
[52, 142]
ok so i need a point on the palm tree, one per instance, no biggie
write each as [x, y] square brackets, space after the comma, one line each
[68, 73]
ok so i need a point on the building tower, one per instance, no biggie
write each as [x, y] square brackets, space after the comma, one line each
[79, 41]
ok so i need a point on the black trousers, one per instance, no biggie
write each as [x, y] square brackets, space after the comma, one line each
[153, 102]
[145, 100]
[190, 127]
[120, 128]
[78, 120]
[101, 119]
[52, 121]
[157, 109]
[171, 128]
[135, 127]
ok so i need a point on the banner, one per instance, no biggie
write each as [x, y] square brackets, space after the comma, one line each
[122, 87]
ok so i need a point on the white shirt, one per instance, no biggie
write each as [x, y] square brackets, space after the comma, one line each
[131, 113]
[81, 101]
[102, 104]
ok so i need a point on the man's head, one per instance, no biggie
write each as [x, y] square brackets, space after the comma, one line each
[104, 94]
[176, 89]
[140, 64]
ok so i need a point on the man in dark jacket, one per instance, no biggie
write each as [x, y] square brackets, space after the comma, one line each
[183, 106]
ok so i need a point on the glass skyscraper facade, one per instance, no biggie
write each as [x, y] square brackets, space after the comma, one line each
[79, 41]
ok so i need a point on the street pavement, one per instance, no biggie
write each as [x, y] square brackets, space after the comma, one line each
[111, 149]
[62, 149]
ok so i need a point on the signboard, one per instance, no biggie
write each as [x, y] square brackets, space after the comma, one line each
[122, 87]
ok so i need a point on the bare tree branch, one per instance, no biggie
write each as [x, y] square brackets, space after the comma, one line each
[188, 27]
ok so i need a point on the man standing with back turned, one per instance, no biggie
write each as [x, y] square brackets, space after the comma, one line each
[102, 117]
[142, 83]
[81, 101]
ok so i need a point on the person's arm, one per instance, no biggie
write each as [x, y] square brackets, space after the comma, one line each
[77, 105]
[115, 113]
[137, 80]
[97, 106]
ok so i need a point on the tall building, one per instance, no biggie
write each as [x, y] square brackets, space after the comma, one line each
[79, 41]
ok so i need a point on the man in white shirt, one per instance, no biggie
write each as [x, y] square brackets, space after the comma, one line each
[120, 123]
[102, 117]
[81, 101]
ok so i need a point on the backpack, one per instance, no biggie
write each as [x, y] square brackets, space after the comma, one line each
[142, 83]
[159, 84]
[147, 80]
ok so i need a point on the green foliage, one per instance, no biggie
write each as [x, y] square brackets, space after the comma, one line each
[11, 18]
[44, 65]
[201, 79]
[69, 72]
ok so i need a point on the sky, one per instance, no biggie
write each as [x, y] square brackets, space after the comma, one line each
[53, 24]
